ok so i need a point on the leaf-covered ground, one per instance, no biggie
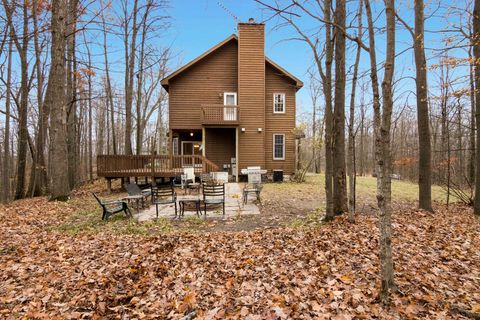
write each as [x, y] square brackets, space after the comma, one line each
[322, 272]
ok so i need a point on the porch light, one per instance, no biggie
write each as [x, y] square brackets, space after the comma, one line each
[191, 134]
[243, 129]
[259, 129]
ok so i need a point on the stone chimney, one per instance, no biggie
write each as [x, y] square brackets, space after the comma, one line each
[251, 92]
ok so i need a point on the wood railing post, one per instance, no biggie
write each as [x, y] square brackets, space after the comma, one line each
[153, 169]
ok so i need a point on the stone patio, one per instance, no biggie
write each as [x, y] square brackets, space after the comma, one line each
[233, 205]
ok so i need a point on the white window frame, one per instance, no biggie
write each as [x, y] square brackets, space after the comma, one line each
[283, 151]
[274, 102]
[225, 94]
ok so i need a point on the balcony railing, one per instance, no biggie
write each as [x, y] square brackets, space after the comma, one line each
[219, 114]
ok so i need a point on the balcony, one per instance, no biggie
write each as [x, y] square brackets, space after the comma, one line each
[219, 114]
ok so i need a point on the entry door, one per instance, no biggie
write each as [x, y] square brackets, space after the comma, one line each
[190, 148]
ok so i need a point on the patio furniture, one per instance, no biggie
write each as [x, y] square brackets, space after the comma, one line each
[163, 196]
[189, 173]
[255, 188]
[213, 194]
[189, 202]
[134, 191]
[138, 199]
[254, 184]
[180, 181]
[205, 178]
[111, 207]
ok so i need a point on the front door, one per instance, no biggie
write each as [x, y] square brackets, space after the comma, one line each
[191, 148]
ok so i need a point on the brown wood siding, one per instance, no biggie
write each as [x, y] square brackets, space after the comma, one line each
[203, 83]
[220, 145]
[281, 123]
[251, 94]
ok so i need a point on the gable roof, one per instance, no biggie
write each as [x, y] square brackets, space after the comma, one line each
[233, 37]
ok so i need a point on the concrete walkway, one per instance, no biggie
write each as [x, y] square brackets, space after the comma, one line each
[233, 205]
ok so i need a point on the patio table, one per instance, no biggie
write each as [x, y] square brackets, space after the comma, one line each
[139, 199]
[189, 202]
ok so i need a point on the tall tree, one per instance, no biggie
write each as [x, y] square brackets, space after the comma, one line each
[351, 130]
[6, 138]
[476, 55]
[130, 51]
[382, 126]
[339, 172]
[327, 93]
[423, 115]
[21, 43]
[56, 101]
[424, 145]
[72, 74]
[39, 173]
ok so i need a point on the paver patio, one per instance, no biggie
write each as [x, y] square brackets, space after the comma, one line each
[233, 205]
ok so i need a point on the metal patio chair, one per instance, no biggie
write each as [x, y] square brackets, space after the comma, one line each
[164, 195]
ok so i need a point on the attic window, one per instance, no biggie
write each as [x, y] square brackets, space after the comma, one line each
[279, 103]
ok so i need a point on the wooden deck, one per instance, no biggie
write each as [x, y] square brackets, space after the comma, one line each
[155, 166]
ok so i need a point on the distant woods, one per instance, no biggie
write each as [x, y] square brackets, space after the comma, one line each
[78, 78]
[413, 107]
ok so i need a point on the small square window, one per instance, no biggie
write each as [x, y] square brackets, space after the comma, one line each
[230, 98]
[279, 103]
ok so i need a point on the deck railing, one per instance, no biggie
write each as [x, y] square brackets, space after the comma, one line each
[219, 114]
[113, 166]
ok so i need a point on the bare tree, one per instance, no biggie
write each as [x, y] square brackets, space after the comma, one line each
[382, 125]
[129, 47]
[21, 43]
[476, 54]
[351, 130]
[56, 101]
[6, 140]
[339, 174]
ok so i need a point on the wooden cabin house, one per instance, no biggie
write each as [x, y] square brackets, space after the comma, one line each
[230, 108]
[234, 106]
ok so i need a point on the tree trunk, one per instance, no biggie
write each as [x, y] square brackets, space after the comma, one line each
[129, 72]
[476, 54]
[351, 128]
[471, 162]
[327, 92]
[109, 101]
[22, 49]
[40, 172]
[56, 100]
[361, 150]
[72, 125]
[424, 146]
[339, 174]
[90, 118]
[6, 156]
[140, 116]
[382, 125]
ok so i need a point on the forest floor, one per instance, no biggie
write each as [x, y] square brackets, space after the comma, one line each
[60, 260]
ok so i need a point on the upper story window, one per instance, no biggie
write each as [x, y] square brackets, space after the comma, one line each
[279, 103]
[230, 98]
[278, 146]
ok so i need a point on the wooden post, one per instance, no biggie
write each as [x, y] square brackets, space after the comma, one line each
[203, 142]
[236, 154]
[109, 185]
[153, 168]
